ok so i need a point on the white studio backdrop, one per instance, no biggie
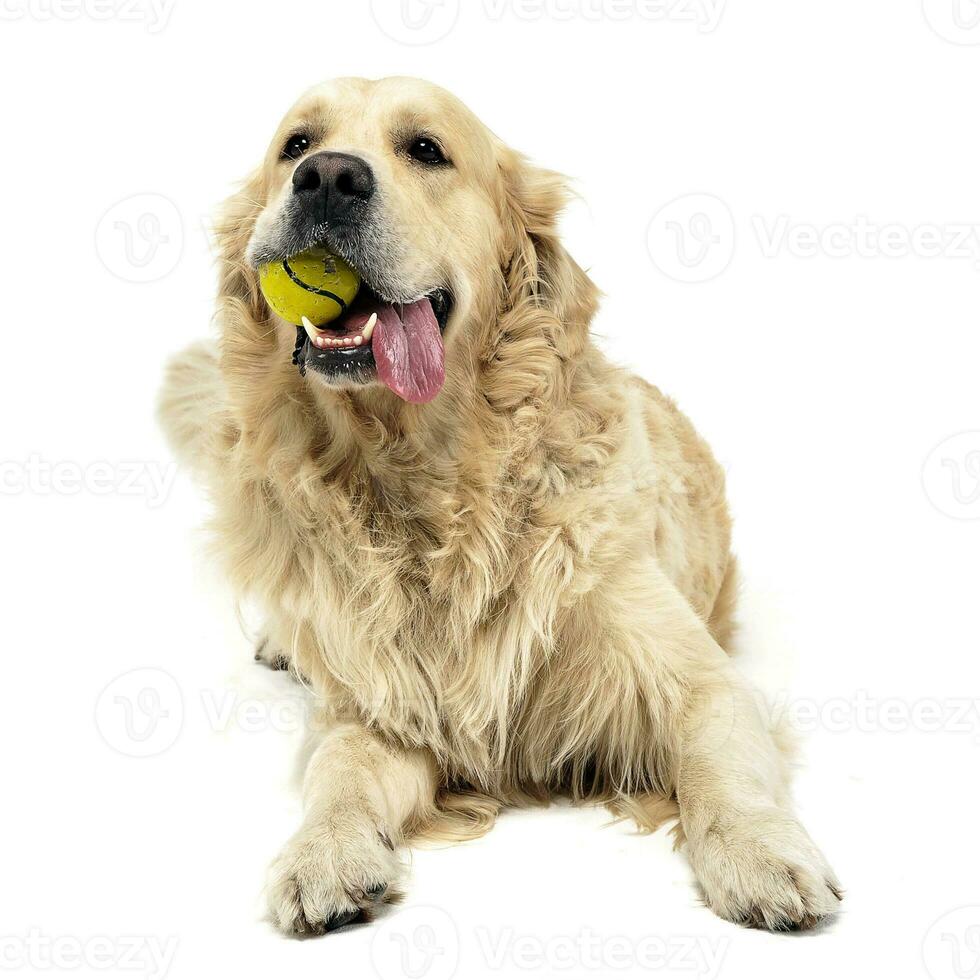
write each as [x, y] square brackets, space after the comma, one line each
[780, 203]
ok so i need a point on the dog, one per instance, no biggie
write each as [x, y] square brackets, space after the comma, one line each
[501, 562]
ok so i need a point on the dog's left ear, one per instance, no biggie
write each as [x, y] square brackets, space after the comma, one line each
[539, 272]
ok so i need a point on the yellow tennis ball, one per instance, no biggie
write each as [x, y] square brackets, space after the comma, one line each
[315, 284]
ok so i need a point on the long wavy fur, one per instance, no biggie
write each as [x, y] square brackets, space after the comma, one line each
[437, 570]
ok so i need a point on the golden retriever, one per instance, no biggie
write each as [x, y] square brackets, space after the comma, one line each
[501, 562]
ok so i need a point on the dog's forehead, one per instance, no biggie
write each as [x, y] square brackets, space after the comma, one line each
[379, 105]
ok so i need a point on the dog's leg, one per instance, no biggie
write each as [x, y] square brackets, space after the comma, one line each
[755, 862]
[360, 796]
[191, 409]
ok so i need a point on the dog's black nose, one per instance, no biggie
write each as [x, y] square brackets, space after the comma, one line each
[335, 185]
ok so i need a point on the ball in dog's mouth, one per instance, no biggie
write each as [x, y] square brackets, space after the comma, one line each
[399, 343]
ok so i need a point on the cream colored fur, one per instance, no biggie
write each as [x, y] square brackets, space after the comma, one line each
[518, 590]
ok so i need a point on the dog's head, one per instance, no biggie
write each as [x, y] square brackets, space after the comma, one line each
[448, 229]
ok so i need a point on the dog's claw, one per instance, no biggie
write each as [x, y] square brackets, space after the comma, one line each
[339, 919]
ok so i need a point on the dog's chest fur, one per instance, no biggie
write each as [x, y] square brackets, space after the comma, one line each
[422, 606]
[433, 598]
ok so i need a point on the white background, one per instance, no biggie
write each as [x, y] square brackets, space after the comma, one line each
[830, 384]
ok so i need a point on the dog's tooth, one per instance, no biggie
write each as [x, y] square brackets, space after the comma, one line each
[311, 331]
[358, 341]
[369, 327]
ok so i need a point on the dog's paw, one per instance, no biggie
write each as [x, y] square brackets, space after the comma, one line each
[332, 874]
[267, 652]
[762, 870]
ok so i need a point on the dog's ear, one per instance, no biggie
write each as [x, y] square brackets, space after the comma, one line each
[238, 281]
[538, 269]
[549, 301]
[247, 339]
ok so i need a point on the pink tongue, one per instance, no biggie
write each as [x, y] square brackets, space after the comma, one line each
[408, 350]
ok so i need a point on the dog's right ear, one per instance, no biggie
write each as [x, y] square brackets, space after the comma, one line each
[238, 281]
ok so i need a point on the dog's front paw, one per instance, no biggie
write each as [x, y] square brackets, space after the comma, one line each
[331, 874]
[762, 870]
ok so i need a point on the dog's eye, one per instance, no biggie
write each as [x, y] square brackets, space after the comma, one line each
[425, 151]
[295, 146]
